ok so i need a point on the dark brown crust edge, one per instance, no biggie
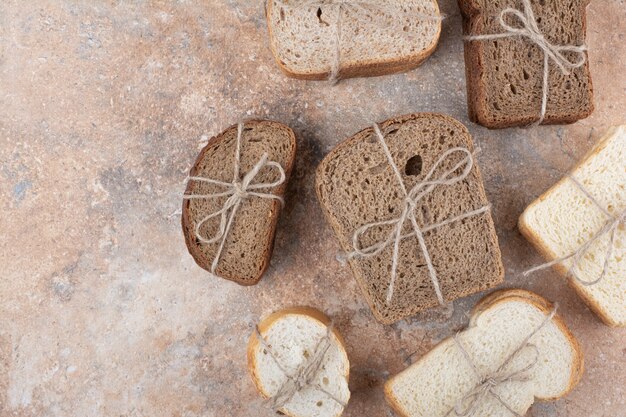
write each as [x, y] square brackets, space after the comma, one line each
[486, 303]
[365, 69]
[330, 218]
[476, 98]
[188, 232]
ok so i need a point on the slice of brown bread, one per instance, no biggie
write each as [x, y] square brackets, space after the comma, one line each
[505, 76]
[356, 186]
[249, 243]
[304, 42]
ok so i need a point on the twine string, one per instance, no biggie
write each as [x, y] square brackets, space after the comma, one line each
[529, 29]
[237, 192]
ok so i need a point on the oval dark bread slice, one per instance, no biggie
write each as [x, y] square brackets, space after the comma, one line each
[495, 321]
[356, 186]
[249, 244]
[505, 76]
[313, 40]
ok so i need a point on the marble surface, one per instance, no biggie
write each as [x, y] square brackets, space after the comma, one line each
[104, 106]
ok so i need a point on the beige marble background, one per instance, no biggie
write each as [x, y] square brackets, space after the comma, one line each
[104, 106]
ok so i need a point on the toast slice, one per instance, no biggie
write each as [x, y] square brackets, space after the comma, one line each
[293, 335]
[563, 218]
[433, 385]
[356, 186]
[505, 76]
[303, 37]
[248, 246]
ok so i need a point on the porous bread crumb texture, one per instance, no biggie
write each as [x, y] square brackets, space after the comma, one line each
[249, 243]
[563, 219]
[433, 385]
[356, 186]
[505, 76]
[293, 337]
[303, 38]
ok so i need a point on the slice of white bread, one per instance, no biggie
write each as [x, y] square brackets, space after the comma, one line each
[562, 219]
[293, 335]
[303, 37]
[433, 385]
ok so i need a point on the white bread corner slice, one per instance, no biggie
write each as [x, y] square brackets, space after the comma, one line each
[498, 325]
[304, 44]
[293, 333]
[563, 218]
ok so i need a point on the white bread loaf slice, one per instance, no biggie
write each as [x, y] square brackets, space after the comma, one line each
[303, 36]
[293, 335]
[563, 218]
[498, 326]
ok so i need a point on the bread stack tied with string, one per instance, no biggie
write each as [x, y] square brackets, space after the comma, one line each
[334, 39]
[298, 362]
[407, 203]
[234, 196]
[515, 350]
[526, 62]
[579, 226]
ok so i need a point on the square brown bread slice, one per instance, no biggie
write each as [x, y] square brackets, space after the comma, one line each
[356, 186]
[505, 76]
[249, 242]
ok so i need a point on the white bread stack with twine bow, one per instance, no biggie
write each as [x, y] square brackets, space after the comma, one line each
[516, 349]
[298, 362]
[334, 39]
[579, 225]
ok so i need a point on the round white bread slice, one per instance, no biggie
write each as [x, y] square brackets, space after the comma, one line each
[293, 335]
[432, 386]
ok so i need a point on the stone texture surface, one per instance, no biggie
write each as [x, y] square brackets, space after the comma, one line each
[104, 105]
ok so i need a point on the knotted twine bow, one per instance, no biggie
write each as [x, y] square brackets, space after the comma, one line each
[530, 30]
[305, 374]
[353, 8]
[411, 199]
[470, 402]
[609, 228]
[237, 192]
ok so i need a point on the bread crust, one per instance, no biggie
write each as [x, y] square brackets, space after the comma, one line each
[362, 69]
[478, 111]
[491, 300]
[267, 323]
[188, 230]
[335, 225]
[542, 247]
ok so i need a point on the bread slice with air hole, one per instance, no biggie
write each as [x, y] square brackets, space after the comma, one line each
[498, 326]
[293, 334]
[563, 218]
[505, 76]
[249, 244]
[357, 186]
[303, 38]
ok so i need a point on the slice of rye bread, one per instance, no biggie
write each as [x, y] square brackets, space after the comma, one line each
[505, 76]
[498, 325]
[249, 244]
[563, 218]
[357, 186]
[293, 333]
[303, 39]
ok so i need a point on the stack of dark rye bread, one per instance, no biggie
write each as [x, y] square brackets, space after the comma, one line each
[406, 200]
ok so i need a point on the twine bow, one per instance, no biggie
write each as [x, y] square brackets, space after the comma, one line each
[354, 8]
[530, 30]
[305, 374]
[609, 228]
[237, 192]
[411, 199]
[469, 403]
